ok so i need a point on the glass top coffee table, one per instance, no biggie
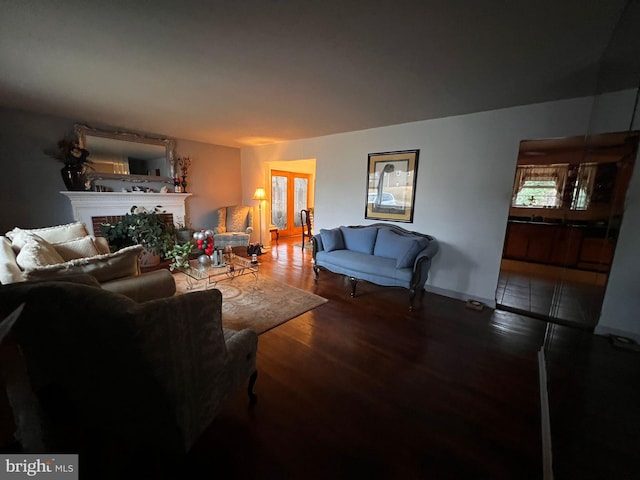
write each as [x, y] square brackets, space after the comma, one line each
[211, 275]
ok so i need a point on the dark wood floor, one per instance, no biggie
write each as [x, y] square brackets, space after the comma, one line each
[364, 387]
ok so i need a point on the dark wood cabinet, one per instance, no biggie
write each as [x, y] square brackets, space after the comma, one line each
[548, 244]
[596, 254]
[566, 246]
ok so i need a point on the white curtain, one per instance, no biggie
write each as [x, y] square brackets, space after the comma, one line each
[555, 173]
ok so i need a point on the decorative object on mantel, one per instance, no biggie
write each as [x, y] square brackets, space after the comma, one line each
[76, 161]
[143, 227]
[184, 163]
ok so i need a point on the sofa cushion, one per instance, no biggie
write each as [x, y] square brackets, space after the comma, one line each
[400, 247]
[332, 239]
[36, 252]
[406, 260]
[123, 263]
[359, 239]
[78, 248]
[55, 234]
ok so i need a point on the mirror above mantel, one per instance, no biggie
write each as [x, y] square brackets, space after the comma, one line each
[127, 156]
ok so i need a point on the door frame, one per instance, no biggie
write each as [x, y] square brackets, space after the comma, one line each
[291, 212]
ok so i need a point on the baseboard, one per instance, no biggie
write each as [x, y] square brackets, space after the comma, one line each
[606, 331]
[488, 302]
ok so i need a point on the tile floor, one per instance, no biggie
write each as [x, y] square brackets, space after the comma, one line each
[569, 303]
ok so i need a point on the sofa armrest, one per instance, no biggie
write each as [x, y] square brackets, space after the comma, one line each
[422, 265]
[10, 272]
[144, 287]
[429, 252]
[316, 241]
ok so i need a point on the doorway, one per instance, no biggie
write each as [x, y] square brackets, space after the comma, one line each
[290, 193]
[566, 211]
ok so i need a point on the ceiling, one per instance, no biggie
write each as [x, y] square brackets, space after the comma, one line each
[253, 72]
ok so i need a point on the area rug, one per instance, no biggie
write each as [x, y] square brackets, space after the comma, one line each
[260, 304]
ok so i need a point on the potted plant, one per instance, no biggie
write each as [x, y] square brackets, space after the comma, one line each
[183, 233]
[76, 161]
[179, 255]
[142, 227]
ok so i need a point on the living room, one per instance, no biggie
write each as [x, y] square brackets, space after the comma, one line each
[463, 189]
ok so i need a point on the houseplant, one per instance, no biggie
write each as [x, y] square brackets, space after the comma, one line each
[76, 161]
[142, 227]
[179, 255]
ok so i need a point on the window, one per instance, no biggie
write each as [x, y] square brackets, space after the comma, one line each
[584, 186]
[539, 187]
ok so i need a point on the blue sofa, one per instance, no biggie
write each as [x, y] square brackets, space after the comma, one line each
[383, 254]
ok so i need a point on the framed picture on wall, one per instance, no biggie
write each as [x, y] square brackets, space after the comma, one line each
[391, 185]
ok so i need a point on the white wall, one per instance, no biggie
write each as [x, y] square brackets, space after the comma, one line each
[464, 182]
[620, 310]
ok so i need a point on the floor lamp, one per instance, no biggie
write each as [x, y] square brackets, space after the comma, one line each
[260, 195]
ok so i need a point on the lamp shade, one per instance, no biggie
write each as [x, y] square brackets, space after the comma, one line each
[260, 194]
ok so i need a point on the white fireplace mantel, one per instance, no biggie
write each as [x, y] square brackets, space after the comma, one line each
[87, 205]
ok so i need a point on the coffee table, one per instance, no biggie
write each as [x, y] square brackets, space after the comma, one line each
[211, 275]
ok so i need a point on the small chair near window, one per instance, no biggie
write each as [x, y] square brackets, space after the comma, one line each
[305, 221]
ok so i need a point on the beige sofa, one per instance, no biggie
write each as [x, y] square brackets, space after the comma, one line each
[53, 252]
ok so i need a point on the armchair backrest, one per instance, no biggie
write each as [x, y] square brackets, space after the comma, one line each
[235, 218]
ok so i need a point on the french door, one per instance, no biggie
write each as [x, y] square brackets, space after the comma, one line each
[289, 195]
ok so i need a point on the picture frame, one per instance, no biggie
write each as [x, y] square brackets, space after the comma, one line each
[391, 185]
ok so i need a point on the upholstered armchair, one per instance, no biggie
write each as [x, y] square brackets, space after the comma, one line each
[118, 381]
[234, 226]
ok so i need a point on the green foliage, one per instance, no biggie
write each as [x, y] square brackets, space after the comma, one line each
[142, 227]
[179, 255]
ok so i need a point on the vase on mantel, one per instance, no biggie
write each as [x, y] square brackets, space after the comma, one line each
[73, 177]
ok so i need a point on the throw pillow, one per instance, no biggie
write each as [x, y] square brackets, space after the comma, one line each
[55, 234]
[123, 263]
[389, 244]
[360, 239]
[37, 253]
[404, 249]
[409, 257]
[79, 248]
[221, 221]
[332, 239]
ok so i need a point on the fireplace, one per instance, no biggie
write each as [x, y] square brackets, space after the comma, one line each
[89, 205]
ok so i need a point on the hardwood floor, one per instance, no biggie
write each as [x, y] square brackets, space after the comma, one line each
[361, 387]
[364, 387]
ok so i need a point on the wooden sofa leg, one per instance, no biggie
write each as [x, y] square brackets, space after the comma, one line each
[252, 381]
[354, 282]
[316, 271]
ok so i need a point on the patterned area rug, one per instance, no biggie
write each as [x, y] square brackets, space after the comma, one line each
[260, 304]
